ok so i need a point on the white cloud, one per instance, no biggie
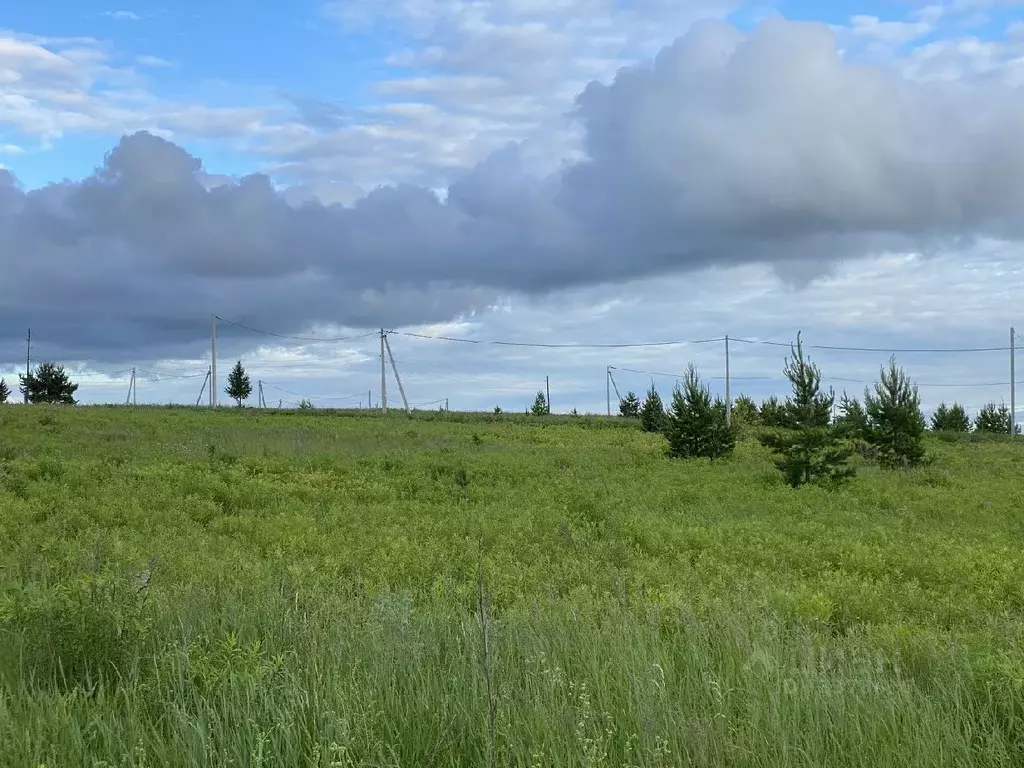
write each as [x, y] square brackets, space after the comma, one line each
[51, 87]
[152, 61]
[122, 15]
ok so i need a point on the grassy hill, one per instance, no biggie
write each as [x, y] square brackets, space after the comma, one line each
[180, 587]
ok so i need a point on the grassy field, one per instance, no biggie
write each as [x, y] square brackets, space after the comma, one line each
[245, 588]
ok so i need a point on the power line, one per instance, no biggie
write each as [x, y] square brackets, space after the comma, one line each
[296, 338]
[312, 397]
[682, 375]
[540, 345]
[934, 351]
[169, 376]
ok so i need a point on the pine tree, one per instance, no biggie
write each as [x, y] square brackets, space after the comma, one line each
[773, 412]
[540, 404]
[950, 419]
[994, 420]
[5, 391]
[852, 421]
[696, 426]
[652, 412]
[629, 407]
[239, 386]
[808, 449]
[48, 383]
[895, 424]
[745, 413]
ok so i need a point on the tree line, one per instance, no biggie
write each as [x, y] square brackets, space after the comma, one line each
[812, 436]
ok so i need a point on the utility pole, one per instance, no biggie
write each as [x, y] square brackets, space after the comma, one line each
[383, 376]
[446, 405]
[369, 399]
[608, 388]
[213, 362]
[398, 378]
[28, 363]
[131, 390]
[259, 397]
[547, 388]
[728, 388]
[1013, 383]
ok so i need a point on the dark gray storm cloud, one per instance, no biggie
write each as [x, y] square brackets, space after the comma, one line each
[727, 148]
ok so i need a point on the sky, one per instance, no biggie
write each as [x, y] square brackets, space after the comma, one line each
[600, 182]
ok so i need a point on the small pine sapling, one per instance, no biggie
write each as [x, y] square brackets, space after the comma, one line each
[994, 420]
[808, 450]
[696, 426]
[950, 418]
[652, 412]
[895, 424]
[772, 413]
[239, 386]
[745, 413]
[540, 405]
[629, 406]
[852, 421]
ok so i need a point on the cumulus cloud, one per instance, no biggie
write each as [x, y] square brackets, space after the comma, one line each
[728, 148]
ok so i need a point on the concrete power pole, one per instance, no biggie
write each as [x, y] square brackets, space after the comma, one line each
[213, 362]
[608, 388]
[547, 389]
[28, 363]
[1013, 383]
[383, 376]
[728, 387]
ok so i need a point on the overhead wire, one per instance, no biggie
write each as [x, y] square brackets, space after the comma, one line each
[554, 345]
[295, 338]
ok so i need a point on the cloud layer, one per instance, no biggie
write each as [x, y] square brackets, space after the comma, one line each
[728, 148]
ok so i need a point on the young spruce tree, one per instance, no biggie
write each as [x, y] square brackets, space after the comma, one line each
[696, 426]
[895, 424]
[5, 391]
[629, 407]
[652, 412]
[239, 386]
[950, 418]
[808, 450]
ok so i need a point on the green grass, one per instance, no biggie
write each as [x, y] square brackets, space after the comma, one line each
[312, 597]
